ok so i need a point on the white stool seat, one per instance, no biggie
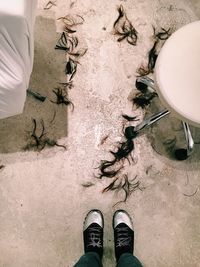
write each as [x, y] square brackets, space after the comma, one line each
[17, 19]
[177, 73]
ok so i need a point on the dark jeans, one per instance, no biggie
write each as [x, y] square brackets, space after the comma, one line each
[92, 259]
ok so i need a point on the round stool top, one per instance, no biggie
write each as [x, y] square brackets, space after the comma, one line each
[177, 73]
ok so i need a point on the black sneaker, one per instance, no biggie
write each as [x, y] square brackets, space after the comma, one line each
[123, 233]
[93, 232]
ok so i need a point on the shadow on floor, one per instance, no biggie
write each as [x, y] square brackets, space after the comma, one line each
[48, 70]
[167, 135]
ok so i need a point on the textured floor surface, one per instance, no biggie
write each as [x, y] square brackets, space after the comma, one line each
[42, 199]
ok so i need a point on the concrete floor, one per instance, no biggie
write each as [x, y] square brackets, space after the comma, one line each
[42, 200]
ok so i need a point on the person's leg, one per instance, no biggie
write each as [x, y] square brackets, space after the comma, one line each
[124, 240]
[128, 260]
[93, 240]
[90, 259]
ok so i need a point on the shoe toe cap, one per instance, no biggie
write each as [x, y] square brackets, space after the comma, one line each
[121, 216]
[93, 216]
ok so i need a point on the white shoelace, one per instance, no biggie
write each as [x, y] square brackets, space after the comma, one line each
[95, 237]
[122, 237]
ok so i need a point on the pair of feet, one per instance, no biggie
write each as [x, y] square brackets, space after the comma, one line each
[123, 233]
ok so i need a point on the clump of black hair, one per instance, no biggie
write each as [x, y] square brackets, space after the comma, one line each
[69, 44]
[129, 118]
[61, 97]
[39, 139]
[124, 184]
[49, 5]
[163, 34]
[123, 151]
[124, 28]
[70, 22]
[66, 42]
[152, 57]
[144, 100]
[144, 97]
[159, 36]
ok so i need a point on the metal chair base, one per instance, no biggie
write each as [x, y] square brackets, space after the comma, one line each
[181, 153]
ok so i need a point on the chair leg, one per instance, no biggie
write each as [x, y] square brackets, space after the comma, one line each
[147, 81]
[182, 153]
[151, 120]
